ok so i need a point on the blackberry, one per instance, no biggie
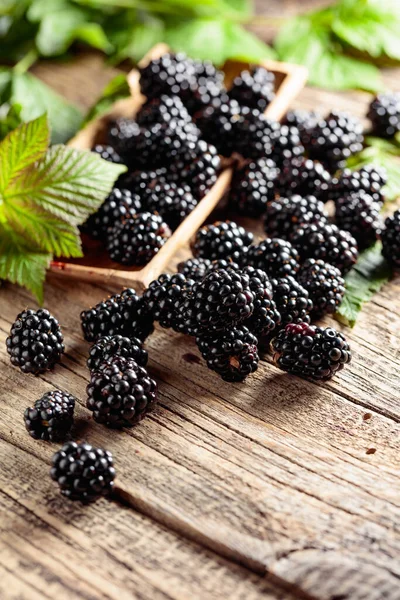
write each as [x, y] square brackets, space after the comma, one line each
[120, 393]
[194, 268]
[173, 203]
[35, 343]
[253, 186]
[278, 258]
[222, 263]
[223, 239]
[384, 114]
[232, 353]
[165, 295]
[107, 153]
[134, 241]
[197, 168]
[119, 205]
[325, 285]
[286, 144]
[162, 110]
[334, 139]
[370, 179]
[51, 418]
[310, 351]
[303, 176]
[204, 70]
[284, 215]
[292, 300]
[217, 123]
[252, 134]
[122, 135]
[116, 345]
[391, 239]
[359, 215]
[254, 89]
[326, 242]
[140, 182]
[83, 472]
[302, 119]
[265, 317]
[124, 314]
[171, 74]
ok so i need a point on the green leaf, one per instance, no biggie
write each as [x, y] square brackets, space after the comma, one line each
[365, 279]
[116, 89]
[10, 118]
[136, 40]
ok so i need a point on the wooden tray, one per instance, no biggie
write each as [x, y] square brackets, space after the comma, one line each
[95, 266]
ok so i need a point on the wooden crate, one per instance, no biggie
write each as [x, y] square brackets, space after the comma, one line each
[96, 266]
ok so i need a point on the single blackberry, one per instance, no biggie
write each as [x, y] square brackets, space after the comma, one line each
[140, 182]
[51, 418]
[305, 177]
[284, 215]
[286, 144]
[265, 317]
[384, 114]
[253, 186]
[370, 179]
[325, 285]
[232, 353]
[107, 153]
[134, 241]
[310, 351]
[254, 89]
[304, 121]
[222, 263]
[194, 268]
[223, 239]
[326, 242]
[334, 139]
[171, 74]
[292, 300]
[217, 123]
[116, 345]
[197, 168]
[121, 135]
[119, 205]
[391, 239]
[278, 258]
[162, 110]
[124, 314]
[36, 342]
[83, 472]
[120, 393]
[172, 202]
[165, 295]
[204, 70]
[359, 214]
[252, 134]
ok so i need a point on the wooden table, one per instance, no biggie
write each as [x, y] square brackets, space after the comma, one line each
[276, 488]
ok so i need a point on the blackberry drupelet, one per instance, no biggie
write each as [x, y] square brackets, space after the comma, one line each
[286, 144]
[305, 177]
[107, 153]
[51, 418]
[232, 353]
[217, 123]
[197, 168]
[116, 345]
[284, 215]
[194, 268]
[265, 317]
[254, 89]
[391, 240]
[326, 242]
[165, 295]
[171, 74]
[223, 239]
[304, 121]
[384, 114]
[370, 179]
[119, 205]
[124, 314]
[253, 186]
[172, 202]
[310, 351]
[120, 393]
[134, 241]
[360, 215]
[36, 342]
[276, 257]
[292, 300]
[162, 110]
[83, 472]
[325, 285]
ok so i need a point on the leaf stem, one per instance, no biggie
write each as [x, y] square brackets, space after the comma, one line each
[26, 62]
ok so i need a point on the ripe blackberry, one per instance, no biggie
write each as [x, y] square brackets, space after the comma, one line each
[116, 345]
[284, 215]
[120, 393]
[286, 144]
[232, 353]
[51, 418]
[302, 119]
[204, 70]
[217, 124]
[194, 268]
[140, 182]
[222, 263]
[35, 343]
[278, 258]
[292, 300]
[370, 179]
[134, 241]
[165, 295]
[254, 89]
[334, 139]
[223, 239]
[162, 110]
[303, 176]
[171, 74]
[359, 214]
[252, 134]
[198, 168]
[265, 317]
[324, 284]
[391, 239]
[326, 242]
[253, 186]
[119, 205]
[310, 351]
[83, 472]
[384, 114]
[122, 135]
[172, 202]
[124, 314]
[107, 153]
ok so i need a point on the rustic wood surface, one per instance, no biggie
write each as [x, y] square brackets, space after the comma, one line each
[277, 488]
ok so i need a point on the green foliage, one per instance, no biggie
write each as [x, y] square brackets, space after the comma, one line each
[10, 118]
[116, 89]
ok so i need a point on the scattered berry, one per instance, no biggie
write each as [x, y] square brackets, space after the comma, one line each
[254, 89]
[116, 345]
[360, 215]
[325, 285]
[165, 295]
[51, 418]
[305, 177]
[284, 215]
[391, 239]
[370, 179]
[253, 186]
[276, 257]
[223, 239]
[292, 300]
[384, 114]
